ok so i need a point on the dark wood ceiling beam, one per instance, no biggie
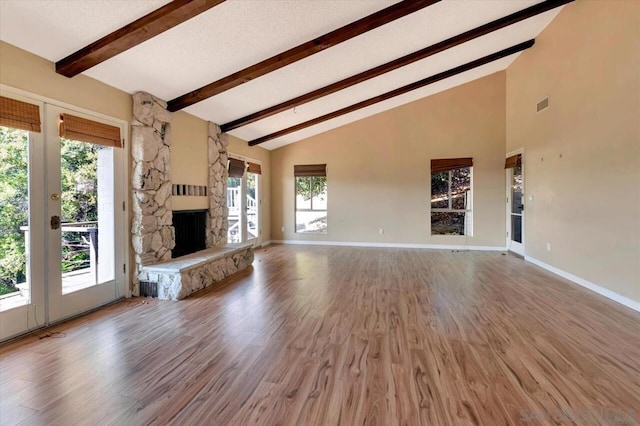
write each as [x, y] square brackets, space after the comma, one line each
[138, 31]
[302, 51]
[529, 12]
[400, 91]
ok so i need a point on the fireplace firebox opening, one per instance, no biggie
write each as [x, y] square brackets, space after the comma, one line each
[190, 228]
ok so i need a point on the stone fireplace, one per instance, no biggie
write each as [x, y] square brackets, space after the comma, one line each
[152, 232]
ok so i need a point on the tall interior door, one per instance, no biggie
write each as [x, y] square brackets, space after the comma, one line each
[515, 204]
[243, 201]
[63, 240]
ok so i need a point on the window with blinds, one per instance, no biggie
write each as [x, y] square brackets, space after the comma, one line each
[311, 198]
[236, 168]
[254, 168]
[19, 115]
[451, 196]
[84, 130]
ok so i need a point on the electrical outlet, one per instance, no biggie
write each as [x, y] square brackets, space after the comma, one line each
[282, 229]
[548, 246]
[381, 231]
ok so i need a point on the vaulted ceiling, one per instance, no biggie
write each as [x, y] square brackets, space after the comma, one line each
[224, 38]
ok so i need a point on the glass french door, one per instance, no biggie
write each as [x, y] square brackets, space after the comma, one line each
[515, 209]
[85, 210]
[22, 218]
[62, 201]
[243, 202]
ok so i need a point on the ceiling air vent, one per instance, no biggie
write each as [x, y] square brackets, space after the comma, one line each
[543, 104]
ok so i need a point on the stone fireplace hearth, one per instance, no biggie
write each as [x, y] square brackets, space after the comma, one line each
[152, 231]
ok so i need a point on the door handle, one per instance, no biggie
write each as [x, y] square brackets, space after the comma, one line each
[55, 222]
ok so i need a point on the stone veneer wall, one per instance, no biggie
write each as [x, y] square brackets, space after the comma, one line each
[152, 232]
[217, 220]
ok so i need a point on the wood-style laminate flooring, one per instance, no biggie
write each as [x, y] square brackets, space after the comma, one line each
[341, 336]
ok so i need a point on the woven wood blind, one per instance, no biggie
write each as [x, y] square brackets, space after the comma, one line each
[513, 161]
[19, 115]
[236, 168]
[83, 130]
[310, 170]
[446, 164]
[254, 168]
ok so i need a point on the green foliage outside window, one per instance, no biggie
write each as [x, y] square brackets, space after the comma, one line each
[308, 187]
[79, 200]
[13, 207]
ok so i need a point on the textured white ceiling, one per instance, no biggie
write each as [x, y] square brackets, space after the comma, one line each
[54, 29]
[239, 33]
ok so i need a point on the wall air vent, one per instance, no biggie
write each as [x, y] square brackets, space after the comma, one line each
[148, 289]
[543, 104]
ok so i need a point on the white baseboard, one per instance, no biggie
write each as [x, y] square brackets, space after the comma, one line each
[629, 303]
[265, 243]
[390, 245]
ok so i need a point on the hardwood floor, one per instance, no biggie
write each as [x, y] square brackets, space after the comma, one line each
[336, 335]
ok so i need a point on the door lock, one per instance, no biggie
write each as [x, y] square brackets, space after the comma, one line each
[55, 196]
[55, 222]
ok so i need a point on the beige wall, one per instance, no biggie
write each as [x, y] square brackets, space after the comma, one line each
[582, 154]
[23, 70]
[240, 148]
[189, 162]
[378, 169]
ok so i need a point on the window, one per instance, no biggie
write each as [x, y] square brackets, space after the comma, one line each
[311, 198]
[451, 196]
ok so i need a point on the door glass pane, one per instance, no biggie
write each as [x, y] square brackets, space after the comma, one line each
[516, 228]
[87, 220]
[234, 203]
[516, 204]
[14, 218]
[253, 224]
[516, 190]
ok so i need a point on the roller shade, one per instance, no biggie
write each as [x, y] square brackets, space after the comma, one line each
[236, 168]
[254, 168]
[310, 170]
[513, 161]
[83, 130]
[19, 115]
[446, 164]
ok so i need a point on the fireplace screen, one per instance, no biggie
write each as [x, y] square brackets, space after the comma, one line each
[190, 227]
